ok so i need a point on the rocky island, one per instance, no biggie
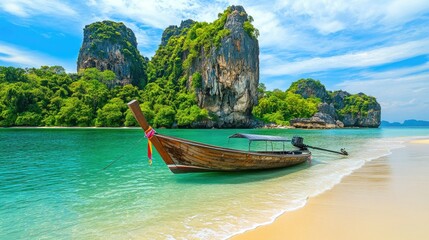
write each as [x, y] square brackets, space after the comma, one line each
[203, 75]
[307, 104]
[337, 109]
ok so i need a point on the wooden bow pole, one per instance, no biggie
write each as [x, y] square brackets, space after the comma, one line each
[136, 110]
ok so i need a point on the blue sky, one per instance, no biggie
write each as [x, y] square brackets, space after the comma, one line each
[378, 47]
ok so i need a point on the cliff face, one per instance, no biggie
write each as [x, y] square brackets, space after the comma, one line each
[230, 74]
[112, 46]
[326, 117]
[175, 30]
[309, 89]
[369, 114]
[337, 109]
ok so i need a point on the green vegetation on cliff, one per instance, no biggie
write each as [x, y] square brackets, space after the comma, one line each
[102, 37]
[203, 36]
[108, 30]
[310, 88]
[280, 107]
[172, 82]
[305, 84]
[357, 104]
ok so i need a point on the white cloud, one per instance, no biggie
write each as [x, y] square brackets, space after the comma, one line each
[145, 39]
[400, 98]
[326, 18]
[318, 27]
[367, 58]
[400, 11]
[28, 8]
[329, 27]
[332, 16]
[27, 58]
[154, 13]
[149, 18]
[282, 33]
[397, 73]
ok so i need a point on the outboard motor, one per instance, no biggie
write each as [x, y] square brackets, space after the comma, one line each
[299, 142]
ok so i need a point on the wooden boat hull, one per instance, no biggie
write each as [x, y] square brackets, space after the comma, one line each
[189, 156]
[184, 156]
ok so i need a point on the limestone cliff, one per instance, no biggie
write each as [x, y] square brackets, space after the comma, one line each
[309, 88]
[175, 30]
[337, 109]
[359, 110]
[230, 73]
[205, 75]
[112, 46]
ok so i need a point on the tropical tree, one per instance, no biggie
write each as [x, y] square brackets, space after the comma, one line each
[111, 114]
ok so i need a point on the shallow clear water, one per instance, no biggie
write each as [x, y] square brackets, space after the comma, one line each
[52, 183]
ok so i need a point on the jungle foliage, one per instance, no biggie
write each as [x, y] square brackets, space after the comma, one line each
[280, 107]
[48, 96]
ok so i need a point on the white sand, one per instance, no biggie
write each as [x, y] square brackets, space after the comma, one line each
[388, 198]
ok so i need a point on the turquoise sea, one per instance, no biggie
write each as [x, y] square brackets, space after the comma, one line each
[53, 186]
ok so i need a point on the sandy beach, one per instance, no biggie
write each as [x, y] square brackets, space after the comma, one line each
[387, 198]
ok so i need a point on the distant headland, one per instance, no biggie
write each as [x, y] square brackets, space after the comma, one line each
[406, 123]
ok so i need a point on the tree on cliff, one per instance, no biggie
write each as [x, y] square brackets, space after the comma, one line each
[280, 107]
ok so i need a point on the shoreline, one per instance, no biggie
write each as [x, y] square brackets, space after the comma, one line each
[60, 127]
[357, 201]
[137, 127]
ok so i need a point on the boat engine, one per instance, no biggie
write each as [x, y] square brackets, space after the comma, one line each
[299, 142]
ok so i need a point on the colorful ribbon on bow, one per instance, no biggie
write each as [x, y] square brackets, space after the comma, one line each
[149, 134]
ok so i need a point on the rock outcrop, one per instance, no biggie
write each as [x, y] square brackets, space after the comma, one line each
[368, 116]
[337, 109]
[175, 30]
[318, 121]
[326, 117]
[338, 98]
[112, 46]
[230, 74]
[309, 88]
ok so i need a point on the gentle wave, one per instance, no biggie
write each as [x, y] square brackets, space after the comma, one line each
[56, 186]
[262, 202]
[327, 178]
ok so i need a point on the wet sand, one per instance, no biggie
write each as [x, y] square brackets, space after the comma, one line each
[387, 198]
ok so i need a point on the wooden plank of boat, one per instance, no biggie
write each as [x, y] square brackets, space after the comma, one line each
[193, 156]
[184, 156]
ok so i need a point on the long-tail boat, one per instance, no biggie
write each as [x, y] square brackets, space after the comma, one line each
[184, 156]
